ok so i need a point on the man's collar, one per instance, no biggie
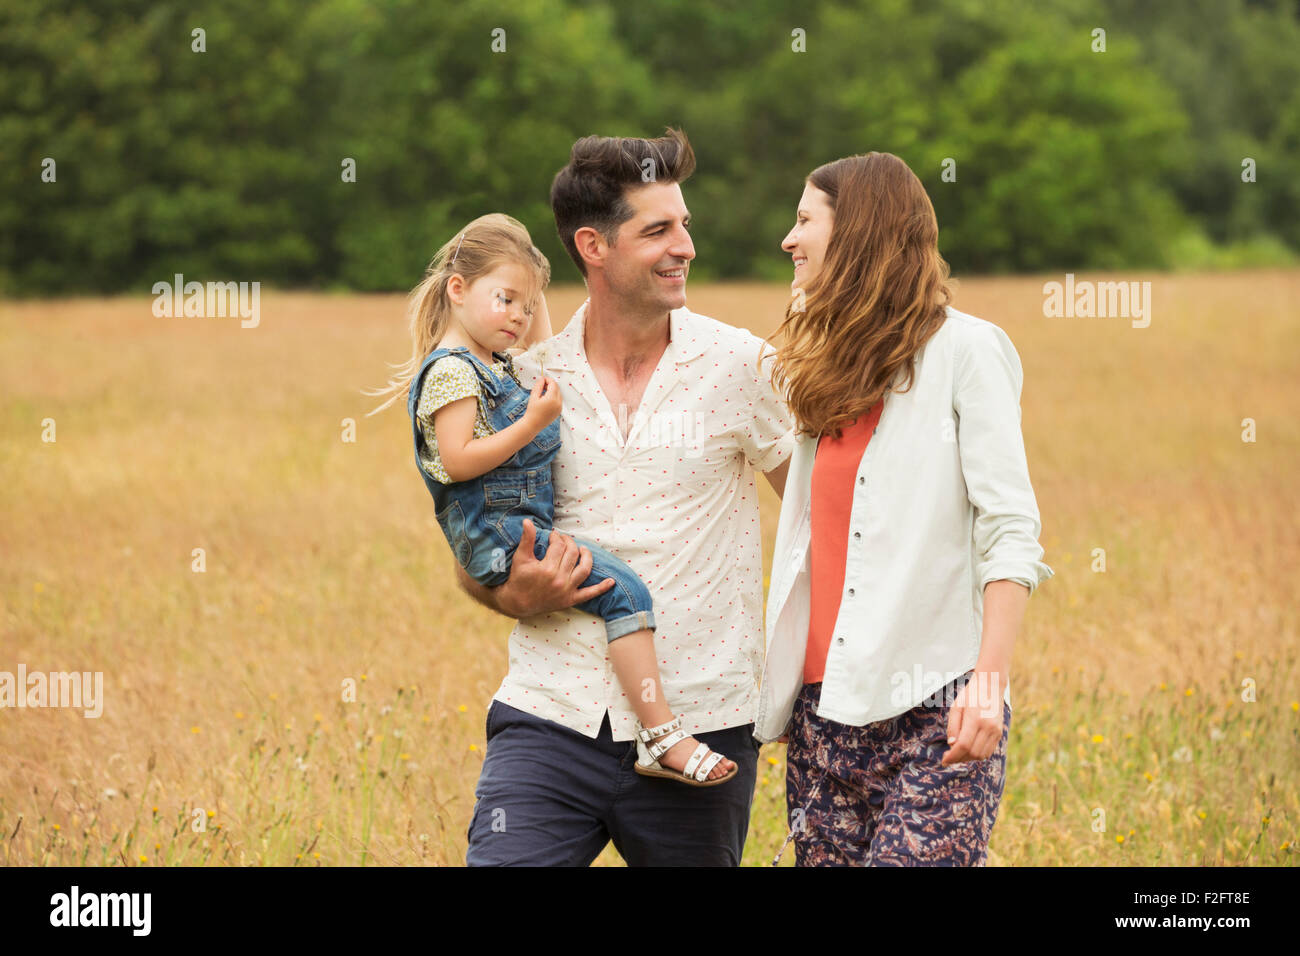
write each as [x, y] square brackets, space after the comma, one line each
[687, 339]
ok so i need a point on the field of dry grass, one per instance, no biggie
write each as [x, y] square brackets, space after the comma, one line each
[224, 738]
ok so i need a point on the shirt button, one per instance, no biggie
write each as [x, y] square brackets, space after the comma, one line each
[857, 534]
[839, 640]
[862, 480]
[850, 592]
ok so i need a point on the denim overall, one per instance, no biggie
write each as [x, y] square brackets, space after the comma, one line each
[483, 517]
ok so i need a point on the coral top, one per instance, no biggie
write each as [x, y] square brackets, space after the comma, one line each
[835, 468]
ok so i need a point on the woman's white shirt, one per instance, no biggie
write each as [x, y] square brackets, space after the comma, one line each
[942, 505]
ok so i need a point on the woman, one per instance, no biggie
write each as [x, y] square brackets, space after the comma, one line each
[908, 542]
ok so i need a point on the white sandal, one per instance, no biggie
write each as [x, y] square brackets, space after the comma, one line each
[697, 769]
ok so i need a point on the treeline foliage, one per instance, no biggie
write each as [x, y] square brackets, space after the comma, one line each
[230, 163]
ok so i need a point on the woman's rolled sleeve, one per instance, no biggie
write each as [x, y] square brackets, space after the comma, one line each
[986, 402]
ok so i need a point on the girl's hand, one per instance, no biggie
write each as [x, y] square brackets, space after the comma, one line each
[975, 719]
[544, 403]
[539, 330]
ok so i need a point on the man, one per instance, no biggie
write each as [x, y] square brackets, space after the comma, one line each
[667, 414]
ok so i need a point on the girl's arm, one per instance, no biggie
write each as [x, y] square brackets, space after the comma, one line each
[465, 456]
[539, 330]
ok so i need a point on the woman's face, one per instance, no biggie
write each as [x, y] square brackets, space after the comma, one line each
[806, 242]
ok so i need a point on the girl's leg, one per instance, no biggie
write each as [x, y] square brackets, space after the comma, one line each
[628, 612]
[633, 657]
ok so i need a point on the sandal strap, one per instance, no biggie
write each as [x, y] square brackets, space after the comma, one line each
[664, 744]
[695, 759]
[648, 734]
[711, 761]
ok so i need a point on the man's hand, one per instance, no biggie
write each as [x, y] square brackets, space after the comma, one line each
[539, 587]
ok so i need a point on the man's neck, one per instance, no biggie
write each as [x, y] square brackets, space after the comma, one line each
[623, 339]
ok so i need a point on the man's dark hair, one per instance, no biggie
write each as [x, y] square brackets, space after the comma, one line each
[589, 191]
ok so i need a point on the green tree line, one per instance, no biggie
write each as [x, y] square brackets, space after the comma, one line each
[141, 139]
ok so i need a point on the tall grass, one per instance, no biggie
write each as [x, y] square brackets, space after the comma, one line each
[226, 737]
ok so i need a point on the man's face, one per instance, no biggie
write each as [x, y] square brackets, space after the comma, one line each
[646, 267]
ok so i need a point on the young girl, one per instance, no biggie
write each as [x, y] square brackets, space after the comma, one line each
[484, 446]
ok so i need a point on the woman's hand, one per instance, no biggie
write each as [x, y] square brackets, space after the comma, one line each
[975, 719]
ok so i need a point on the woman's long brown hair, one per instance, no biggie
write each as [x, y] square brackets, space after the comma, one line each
[879, 295]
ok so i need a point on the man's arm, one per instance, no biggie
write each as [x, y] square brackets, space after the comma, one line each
[538, 587]
[776, 477]
[770, 431]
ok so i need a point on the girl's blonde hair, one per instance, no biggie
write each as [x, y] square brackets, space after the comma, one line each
[484, 244]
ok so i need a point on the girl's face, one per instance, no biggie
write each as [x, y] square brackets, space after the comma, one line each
[492, 307]
[806, 242]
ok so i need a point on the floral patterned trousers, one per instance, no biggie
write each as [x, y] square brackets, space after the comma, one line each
[878, 795]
